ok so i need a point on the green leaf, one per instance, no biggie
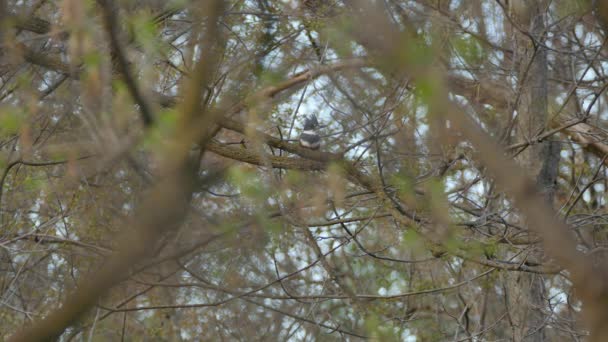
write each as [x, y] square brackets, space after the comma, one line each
[469, 49]
[11, 119]
[145, 32]
[91, 59]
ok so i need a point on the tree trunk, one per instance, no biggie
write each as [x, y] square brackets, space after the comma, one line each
[541, 160]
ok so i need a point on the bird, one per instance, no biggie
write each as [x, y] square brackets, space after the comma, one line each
[309, 137]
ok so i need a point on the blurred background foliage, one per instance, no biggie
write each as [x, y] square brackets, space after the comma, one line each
[395, 230]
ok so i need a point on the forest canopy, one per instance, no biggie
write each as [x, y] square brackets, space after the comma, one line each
[161, 176]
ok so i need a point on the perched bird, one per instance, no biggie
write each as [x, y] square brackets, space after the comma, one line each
[309, 137]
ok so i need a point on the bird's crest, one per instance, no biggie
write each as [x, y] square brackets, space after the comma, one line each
[311, 122]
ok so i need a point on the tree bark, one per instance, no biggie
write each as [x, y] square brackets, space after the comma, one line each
[540, 160]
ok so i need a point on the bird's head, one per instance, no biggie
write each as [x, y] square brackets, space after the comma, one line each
[311, 123]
